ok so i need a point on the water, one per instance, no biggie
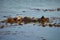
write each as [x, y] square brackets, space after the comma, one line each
[28, 31]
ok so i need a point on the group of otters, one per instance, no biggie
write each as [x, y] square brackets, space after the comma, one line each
[19, 20]
[25, 20]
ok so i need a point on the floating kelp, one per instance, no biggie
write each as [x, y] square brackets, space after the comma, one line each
[45, 10]
[2, 26]
[58, 9]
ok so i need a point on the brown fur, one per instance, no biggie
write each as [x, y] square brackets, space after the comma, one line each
[43, 20]
[27, 20]
[13, 20]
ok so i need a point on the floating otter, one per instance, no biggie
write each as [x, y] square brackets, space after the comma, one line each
[9, 20]
[26, 20]
[16, 20]
[43, 20]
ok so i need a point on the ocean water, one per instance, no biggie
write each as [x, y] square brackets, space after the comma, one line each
[29, 31]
